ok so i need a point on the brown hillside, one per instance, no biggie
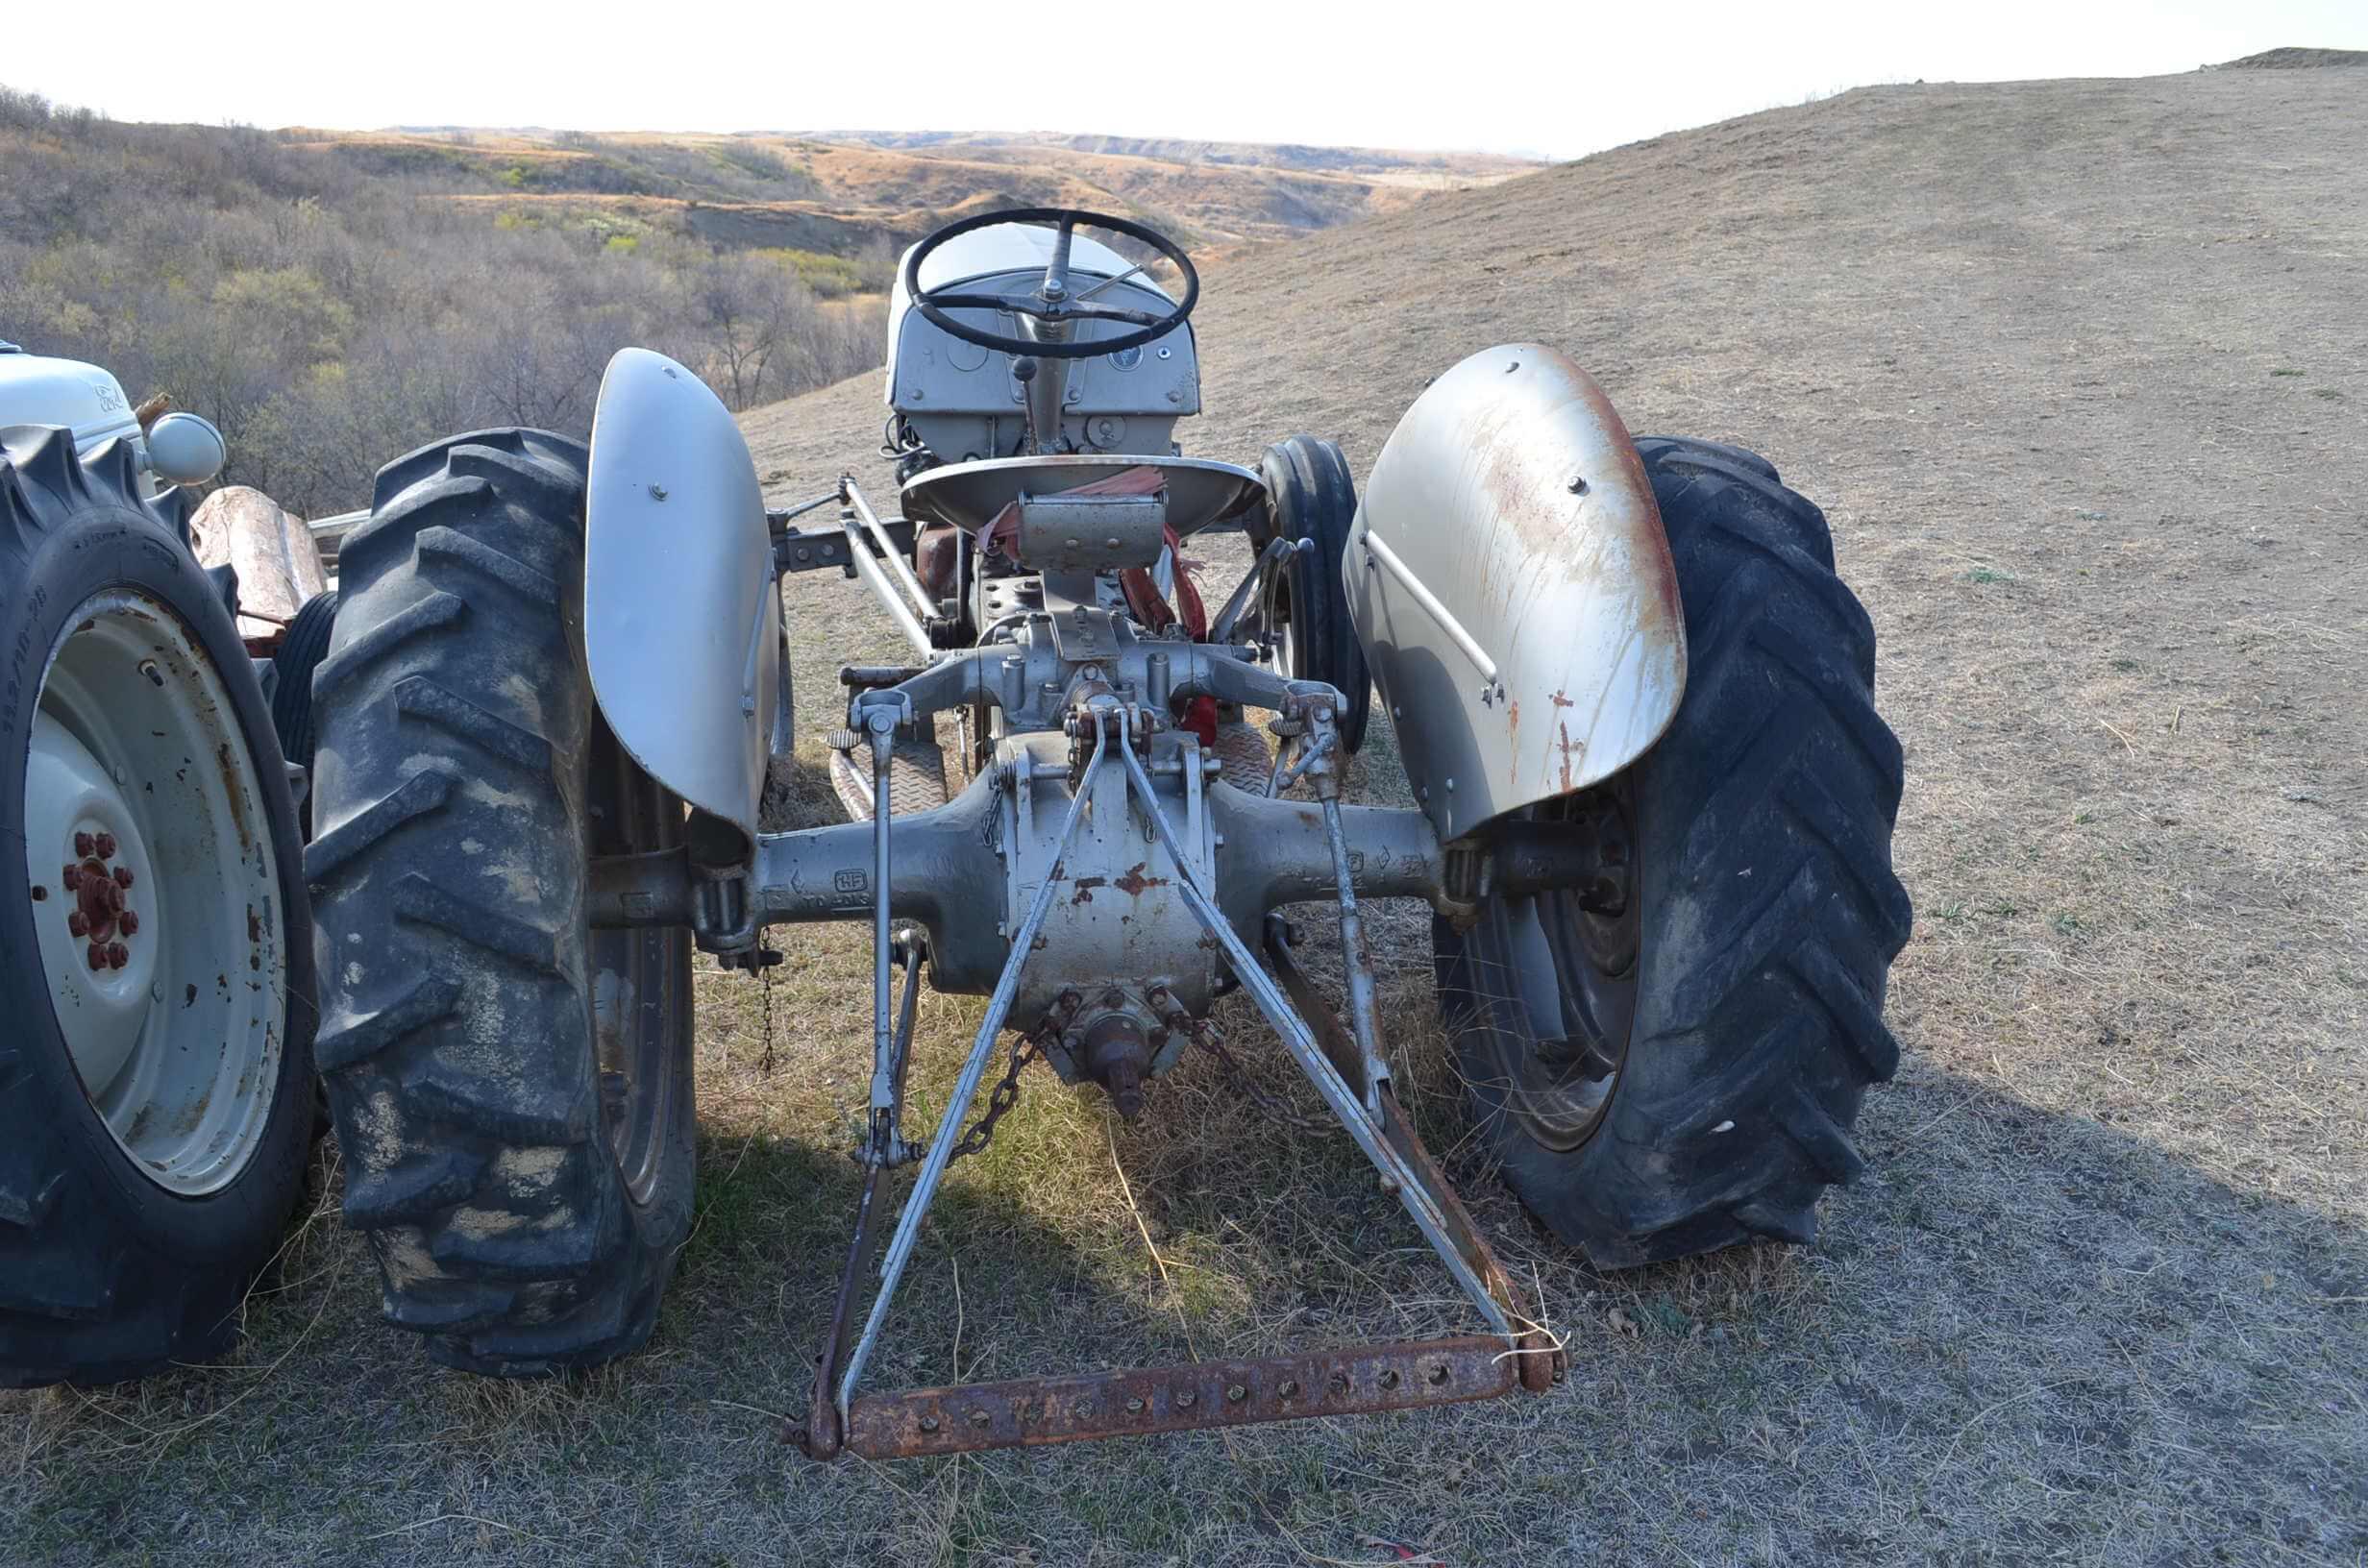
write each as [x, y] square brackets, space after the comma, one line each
[839, 192]
[1462, 167]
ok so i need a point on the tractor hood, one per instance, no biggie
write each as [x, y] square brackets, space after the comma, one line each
[998, 248]
[34, 390]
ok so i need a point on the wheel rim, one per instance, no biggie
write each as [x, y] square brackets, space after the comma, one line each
[1285, 633]
[156, 893]
[641, 991]
[1572, 977]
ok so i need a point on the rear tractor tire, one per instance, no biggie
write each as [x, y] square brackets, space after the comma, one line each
[155, 956]
[512, 1090]
[1684, 1075]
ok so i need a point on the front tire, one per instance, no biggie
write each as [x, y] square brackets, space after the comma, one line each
[512, 1089]
[300, 652]
[1311, 496]
[1684, 1075]
[156, 966]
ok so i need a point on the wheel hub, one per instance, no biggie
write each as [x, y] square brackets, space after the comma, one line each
[1576, 977]
[100, 913]
[99, 956]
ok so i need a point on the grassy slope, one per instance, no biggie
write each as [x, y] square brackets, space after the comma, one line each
[2075, 368]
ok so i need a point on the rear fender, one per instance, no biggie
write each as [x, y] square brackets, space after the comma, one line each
[681, 610]
[1507, 576]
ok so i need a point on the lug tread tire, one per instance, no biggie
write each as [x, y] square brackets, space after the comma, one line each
[457, 1047]
[103, 1278]
[916, 778]
[1770, 915]
[1242, 751]
[1312, 495]
[291, 692]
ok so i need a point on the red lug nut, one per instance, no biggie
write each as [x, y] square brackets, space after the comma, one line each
[123, 876]
[83, 846]
[76, 923]
[98, 955]
[72, 877]
[128, 921]
[117, 956]
[107, 847]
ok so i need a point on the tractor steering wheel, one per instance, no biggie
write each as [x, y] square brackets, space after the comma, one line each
[1051, 301]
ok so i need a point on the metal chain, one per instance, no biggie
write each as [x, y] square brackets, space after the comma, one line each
[1004, 1095]
[765, 983]
[1209, 1037]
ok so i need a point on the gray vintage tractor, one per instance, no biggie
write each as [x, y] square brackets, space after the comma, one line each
[155, 954]
[1631, 698]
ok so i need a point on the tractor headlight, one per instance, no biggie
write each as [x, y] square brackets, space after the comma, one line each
[183, 448]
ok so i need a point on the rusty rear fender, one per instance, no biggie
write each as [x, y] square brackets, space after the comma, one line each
[1510, 580]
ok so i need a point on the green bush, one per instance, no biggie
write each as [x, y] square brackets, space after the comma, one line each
[832, 277]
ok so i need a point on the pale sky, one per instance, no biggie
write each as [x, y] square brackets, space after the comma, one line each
[1560, 80]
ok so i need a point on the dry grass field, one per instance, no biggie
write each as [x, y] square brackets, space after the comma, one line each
[2076, 368]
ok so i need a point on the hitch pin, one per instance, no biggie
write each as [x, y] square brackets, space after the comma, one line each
[1288, 772]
